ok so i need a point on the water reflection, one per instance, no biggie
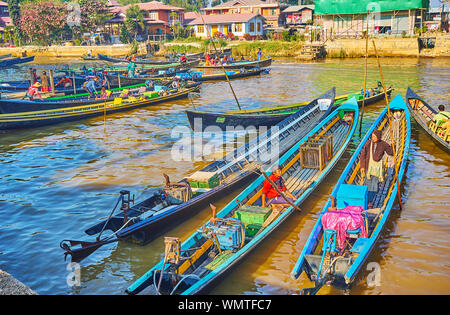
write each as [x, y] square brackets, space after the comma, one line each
[59, 180]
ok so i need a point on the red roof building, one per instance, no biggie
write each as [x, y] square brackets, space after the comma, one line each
[227, 24]
[271, 10]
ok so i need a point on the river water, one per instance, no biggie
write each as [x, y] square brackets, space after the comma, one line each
[58, 180]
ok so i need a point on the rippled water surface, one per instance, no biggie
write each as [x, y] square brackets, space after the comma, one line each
[58, 180]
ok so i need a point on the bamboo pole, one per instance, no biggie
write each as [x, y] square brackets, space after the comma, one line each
[365, 73]
[390, 126]
[74, 84]
[220, 60]
[52, 82]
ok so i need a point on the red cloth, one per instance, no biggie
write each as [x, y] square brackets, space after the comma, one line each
[269, 191]
[343, 220]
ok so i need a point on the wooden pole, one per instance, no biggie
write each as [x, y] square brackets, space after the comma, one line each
[365, 73]
[52, 81]
[74, 83]
[390, 127]
[118, 75]
[220, 60]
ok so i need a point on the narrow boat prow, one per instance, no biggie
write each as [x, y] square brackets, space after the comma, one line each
[353, 218]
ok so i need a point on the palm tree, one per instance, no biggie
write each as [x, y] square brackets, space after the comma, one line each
[135, 20]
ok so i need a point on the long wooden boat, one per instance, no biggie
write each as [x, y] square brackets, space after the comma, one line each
[268, 116]
[137, 61]
[15, 61]
[23, 85]
[241, 64]
[175, 202]
[11, 106]
[327, 263]
[53, 116]
[202, 77]
[221, 243]
[5, 56]
[424, 114]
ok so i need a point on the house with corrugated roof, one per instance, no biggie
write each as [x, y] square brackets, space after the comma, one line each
[299, 14]
[218, 25]
[348, 18]
[271, 10]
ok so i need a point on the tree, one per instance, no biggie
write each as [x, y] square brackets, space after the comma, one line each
[134, 20]
[93, 14]
[42, 21]
[14, 13]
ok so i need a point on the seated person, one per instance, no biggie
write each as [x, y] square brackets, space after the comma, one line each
[372, 160]
[270, 195]
[444, 116]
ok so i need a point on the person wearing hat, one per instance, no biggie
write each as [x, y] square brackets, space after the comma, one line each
[372, 162]
[33, 89]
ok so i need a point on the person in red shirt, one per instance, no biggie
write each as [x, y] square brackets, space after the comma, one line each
[270, 195]
[34, 89]
[183, 59]
[65, 81]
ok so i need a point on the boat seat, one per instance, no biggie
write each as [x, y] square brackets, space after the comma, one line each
[354, 233]
[359, 245]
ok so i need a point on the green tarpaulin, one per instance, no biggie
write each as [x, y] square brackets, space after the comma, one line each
[361, 6]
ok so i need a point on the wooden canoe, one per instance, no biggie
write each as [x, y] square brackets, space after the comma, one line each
[201, 77]
[268, 116]
[206, 255]
[342, 267]
[53, 116]
[153, 215]
[423, 114]
[241, 64]
[15, 106]
[137, 61]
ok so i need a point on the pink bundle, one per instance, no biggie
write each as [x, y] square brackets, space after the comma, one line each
[343, 220]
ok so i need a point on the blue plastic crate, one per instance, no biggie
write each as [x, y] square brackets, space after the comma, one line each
[160, 87]
[352, 195]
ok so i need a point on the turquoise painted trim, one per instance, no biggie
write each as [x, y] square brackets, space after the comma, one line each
[349, 105]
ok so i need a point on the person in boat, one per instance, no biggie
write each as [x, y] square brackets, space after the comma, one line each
[89, 53]
[259, 54]
[175, 84]
[183, 59]
[442, 115]
[230, 59]
[24, 54]
[131, 69]
[207, 58]
[32, 90]
[91, 86]
[125, 93]
[224, 59]
[242, 58]
[104, 93]
[372, 167]
[34, 76]
[65, 82]
[270, 196]
[44, 82]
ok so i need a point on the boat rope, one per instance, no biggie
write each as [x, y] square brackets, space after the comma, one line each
[184, 277]
[109, 217]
